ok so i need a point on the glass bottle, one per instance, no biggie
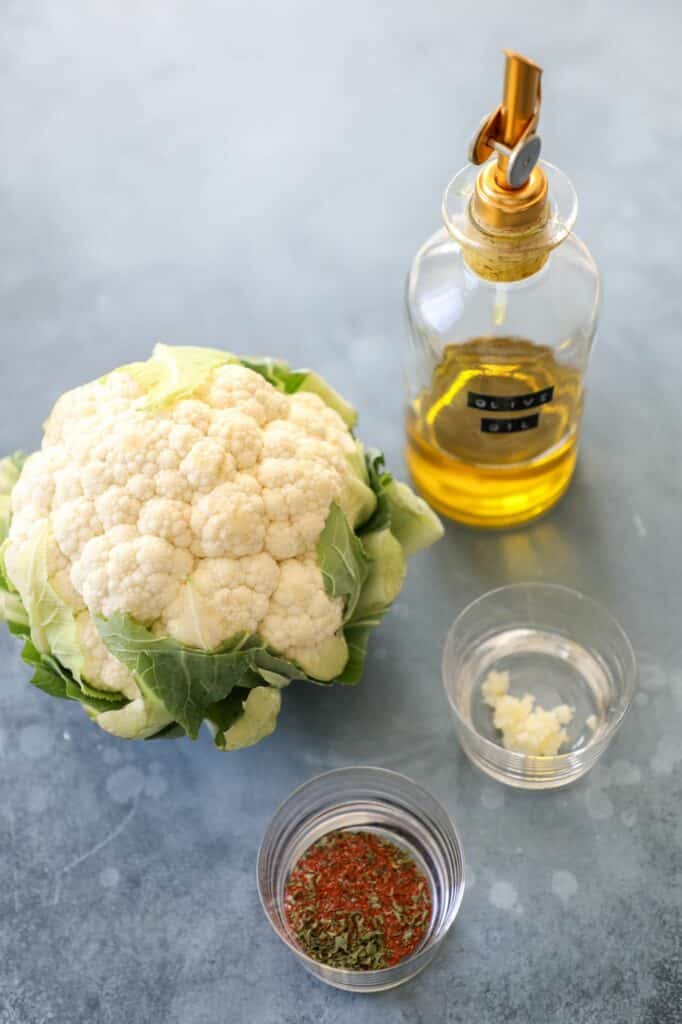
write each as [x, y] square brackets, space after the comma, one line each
[502, 309]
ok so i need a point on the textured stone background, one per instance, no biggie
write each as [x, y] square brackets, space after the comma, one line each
[258, 175]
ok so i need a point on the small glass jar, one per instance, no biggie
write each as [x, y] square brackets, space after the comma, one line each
[556, 644]
[501, 324]
[374, 800]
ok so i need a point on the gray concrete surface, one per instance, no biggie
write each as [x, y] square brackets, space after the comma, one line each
[258, 175]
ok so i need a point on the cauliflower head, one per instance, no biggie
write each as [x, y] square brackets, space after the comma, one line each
[195, 532]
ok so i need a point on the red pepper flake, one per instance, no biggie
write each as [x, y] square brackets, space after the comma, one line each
[357, 901]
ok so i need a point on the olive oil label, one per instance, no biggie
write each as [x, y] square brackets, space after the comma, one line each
[509, 426]
[491, 377]
[510, 403]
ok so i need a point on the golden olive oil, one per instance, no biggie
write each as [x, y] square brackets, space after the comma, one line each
[493, 440]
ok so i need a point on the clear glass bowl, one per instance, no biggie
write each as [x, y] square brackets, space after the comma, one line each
[556, 644]
[380, 801]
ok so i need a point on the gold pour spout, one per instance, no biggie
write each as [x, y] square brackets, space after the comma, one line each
[511, 192]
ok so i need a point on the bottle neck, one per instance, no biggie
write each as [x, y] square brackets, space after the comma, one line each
[504, 266]
[514, 249]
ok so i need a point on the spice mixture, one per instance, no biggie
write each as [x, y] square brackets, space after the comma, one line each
[357, 901]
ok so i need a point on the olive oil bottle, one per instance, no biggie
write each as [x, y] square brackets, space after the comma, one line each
[502, 309]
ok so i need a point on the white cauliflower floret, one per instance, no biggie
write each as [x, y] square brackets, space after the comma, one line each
[74, 524]
[317, 418]
[192, 414]
[301, 613]
[297, 496]
[124, 572]
[68, 485]
[289, 539]
[236, 387]
[117, 507]
[100, 668]
[292, 487]
[230, 520]
[164, 517]
[96, 476]
[76, 406]
[239, 435]
[23, 523]
[114, 393]
[169, 483]
[329, 454]
[127, 450]
[282, 439]
[182, 438]
[223, 597]
[207, 464]
[36, 485]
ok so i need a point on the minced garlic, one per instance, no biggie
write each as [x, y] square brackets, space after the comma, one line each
[525, 727]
